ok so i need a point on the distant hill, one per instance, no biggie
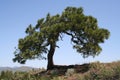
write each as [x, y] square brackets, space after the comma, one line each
[23, 68]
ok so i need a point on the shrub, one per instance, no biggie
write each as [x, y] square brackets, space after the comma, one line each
[70, 72]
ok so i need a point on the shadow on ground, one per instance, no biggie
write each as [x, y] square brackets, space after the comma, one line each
[60, 70]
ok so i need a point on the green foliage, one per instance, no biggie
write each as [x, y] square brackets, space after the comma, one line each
[8, 75]
[84, 31]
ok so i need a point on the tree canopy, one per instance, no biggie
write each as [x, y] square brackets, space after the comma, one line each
[42, 38]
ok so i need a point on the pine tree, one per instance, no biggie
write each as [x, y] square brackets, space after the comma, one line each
[42, 38]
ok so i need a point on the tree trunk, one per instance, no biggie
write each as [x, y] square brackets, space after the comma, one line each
[50, 64]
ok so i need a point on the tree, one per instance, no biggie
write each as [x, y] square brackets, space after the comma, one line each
[43, 37]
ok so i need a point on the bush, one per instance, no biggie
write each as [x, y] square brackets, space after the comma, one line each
[70, 72]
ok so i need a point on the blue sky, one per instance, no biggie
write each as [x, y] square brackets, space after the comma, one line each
[16, 15]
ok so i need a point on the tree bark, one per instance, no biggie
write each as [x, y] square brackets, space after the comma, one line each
[50, 64]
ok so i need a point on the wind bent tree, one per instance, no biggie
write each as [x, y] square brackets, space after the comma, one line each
[43, 37]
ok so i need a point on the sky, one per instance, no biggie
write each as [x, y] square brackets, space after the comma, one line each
[16, 15]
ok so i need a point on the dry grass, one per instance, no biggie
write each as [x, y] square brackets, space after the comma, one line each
[92, 71]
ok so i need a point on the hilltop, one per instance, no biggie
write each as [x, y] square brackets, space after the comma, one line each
[91, 71]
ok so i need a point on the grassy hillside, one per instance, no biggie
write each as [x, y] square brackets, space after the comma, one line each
[92, 71]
